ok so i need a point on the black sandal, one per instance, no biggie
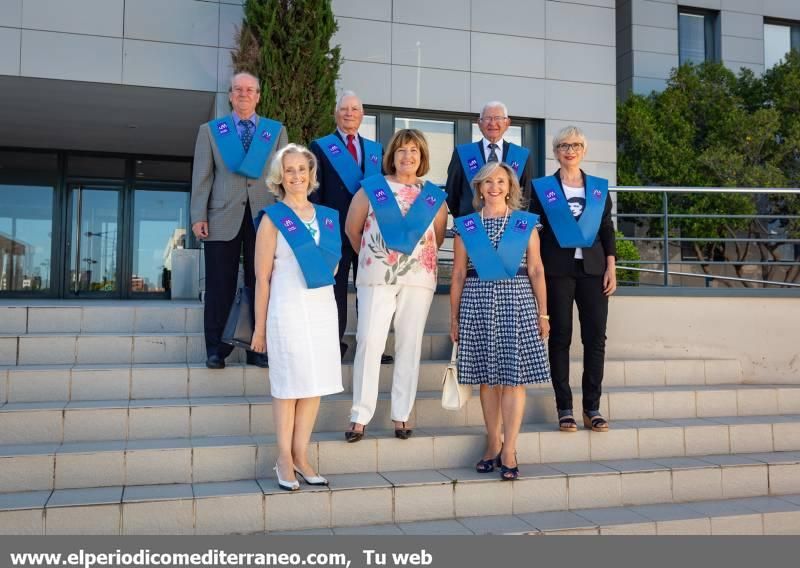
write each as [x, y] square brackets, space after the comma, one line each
[487, 466]
[595, 423]
[403, 433]
[509, 473]
[567, 423]
[352, 436]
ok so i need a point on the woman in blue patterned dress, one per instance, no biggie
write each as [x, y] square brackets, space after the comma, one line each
[497, 291]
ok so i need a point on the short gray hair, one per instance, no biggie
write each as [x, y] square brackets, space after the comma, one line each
[343, 96]
[275, 175]
[244, 74]
[494, 104]
[567, 132]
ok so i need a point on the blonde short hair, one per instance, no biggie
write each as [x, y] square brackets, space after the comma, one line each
[515, 200]
[275, 176]
[401, 138]
[567, 132]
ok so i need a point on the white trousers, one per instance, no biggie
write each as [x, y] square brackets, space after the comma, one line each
[376, 305]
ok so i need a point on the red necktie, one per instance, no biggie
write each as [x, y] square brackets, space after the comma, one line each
[351, 147]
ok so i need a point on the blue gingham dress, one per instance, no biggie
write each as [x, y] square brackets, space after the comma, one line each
[499, 341]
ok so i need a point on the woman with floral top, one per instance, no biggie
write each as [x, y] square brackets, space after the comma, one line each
[396, 224]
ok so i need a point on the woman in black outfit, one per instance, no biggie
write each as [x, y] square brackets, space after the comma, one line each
[578, 252]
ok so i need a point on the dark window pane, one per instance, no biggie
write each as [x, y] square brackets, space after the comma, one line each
[691, 38]
[95, 166]
[160, 222]
[163, 170]
[93, 257]
[27, 166]
[26, 225]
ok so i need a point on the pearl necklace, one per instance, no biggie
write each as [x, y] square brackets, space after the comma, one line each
[502, 227]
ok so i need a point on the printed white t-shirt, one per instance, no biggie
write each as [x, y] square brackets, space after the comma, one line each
[576, 199]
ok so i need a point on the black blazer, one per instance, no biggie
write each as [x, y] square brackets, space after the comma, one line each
[459, 193]
[561, 261]
[331, 191]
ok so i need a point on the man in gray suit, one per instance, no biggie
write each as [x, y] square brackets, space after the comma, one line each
[231, 160]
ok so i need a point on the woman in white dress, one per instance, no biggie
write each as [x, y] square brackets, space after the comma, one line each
[296, 320]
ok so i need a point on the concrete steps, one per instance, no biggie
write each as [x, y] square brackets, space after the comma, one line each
[749, 516]
[412, 496]
[124, 419]
[69, 382]
[70, 465]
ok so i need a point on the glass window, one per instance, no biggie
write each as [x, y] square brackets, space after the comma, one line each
[440, 135]
[27, 164]
[26, 230]
[160, 222]
[93, 244]
[513, 134]
[692, 38]
[777, 43]
[369, 127]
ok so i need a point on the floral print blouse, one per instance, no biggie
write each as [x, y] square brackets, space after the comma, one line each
[381, 266]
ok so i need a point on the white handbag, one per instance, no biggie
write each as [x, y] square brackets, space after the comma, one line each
[454, 395]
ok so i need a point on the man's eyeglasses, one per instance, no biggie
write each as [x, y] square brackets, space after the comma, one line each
[493, 118]
[574, 147]
[241, 90]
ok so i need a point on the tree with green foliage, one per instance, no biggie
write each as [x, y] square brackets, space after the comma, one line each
[712, 128]
[286, 43]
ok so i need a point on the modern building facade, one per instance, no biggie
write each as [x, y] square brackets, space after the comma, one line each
[100, 101]
[654, 36]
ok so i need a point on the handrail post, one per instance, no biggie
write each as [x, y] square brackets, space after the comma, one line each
[665, 211]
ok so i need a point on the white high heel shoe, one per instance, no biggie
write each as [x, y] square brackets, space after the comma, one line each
[286, 485]
[311, 479]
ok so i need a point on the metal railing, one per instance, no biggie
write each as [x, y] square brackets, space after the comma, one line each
[682, 241]
[692, 236]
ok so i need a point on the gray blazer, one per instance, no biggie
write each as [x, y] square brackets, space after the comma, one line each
[219, 196]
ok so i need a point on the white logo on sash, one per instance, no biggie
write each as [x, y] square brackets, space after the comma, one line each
[289, 224]
[473, 164]
[469, 225]
[431, 201]
[551, 196]
[515, 165]
[328, 223]
[222, 128]
[380, 196]
[374, 159]
[597, 194]
[521, 225]
[334, 149]
[266, 136]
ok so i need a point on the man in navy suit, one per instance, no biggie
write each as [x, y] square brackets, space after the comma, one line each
[469, 158]
[339, 179]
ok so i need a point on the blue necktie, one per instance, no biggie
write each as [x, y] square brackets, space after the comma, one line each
[247, 133]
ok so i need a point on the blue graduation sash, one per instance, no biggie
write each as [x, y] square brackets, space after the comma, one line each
[471, 157]
[503, 262]
[517, 157]
[572, 233]
[402, 233]
[344, 164]
[317, 262]
[230, 145]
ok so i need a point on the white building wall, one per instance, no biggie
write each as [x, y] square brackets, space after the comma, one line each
[545, 59]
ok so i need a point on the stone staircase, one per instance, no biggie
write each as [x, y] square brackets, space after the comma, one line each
[111, 424]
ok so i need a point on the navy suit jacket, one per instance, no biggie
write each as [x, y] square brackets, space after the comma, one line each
[332, 192]
[459, 193]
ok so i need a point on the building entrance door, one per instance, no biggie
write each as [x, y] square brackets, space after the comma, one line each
[94, 244]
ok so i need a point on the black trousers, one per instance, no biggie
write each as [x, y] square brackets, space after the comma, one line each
[222, 272]
[587, 293]
[349, 258]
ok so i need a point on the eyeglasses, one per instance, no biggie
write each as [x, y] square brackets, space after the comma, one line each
[493, 118]
[241, 90]
[574, 147]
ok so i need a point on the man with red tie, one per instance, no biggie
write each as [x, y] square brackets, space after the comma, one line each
[345, 158]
